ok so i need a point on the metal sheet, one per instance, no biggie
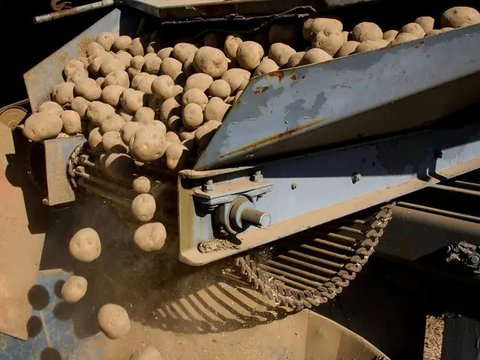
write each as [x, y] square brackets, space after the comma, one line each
[313, 189]
[40, 80]
[362, 95]
[57, 153]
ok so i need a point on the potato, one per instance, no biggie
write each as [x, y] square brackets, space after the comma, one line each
[188, 67]
[72, 124]
[51, 107]
[172, 137]
[114, 321]
[163, 87]
[160, 126]
[137, 79]
[176, 157]
[390, 35]
[198, 81]
[216, 109]
[152, 63]
[63, 93]
[192, 116]
[329, 40]
[110, 65]
[148, 143]
[283, 33]
[131, 100]
[136, 47]
[196, 96]
[434, 32]
[220, 88]
[122, 42]
[95, 140]
[128, 129]
[150, 237]
[185, 134]
[72, 66]
[370, 45]
[85, 245]
[80, 105]
[459, 16]
[249, 54]
[97, 112]
[74, 289]
[230, 46]
[165, 53]
[204, 133]
[315, 56]
[367, 31]
[313, 26]
[280, 53]
[143, 207]
[137, 62]
[266, 66]
[126, 116]
[171, 67]
[144, 115]
[148, 353]
[236, 78]
[80, 74]
[141, 185]
[153, 47]
[169, 108]
[210, 61]
[42, 125]
[414, 29]
[88, 89]
[124, 57]
[94, 49]
[111, 94]
[119, 167]
[426, 22]
[100, 82]
[182, 51]
[106, 39]
[446, 29]
[145, 83]
[295, 59]
[347, 48]
[402, 38]
[112, 142]
[112, 122]
[346, 36]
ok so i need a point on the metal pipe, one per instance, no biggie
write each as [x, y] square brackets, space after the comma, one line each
[455, 189]
[73, 11]
[256, 217]
[440, 211]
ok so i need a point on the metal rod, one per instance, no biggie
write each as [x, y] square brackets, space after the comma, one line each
[332, 244]
[298, 271]
[439, 211]
[290, 275]
[73, 11]
[467, 183]
[316, 259]
[455, 189]
[343, 237]
[307, 265]
[325, 252]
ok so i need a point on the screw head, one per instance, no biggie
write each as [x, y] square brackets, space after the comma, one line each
[356, 177]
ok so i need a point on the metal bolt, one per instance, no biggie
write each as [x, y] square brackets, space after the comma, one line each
[45, 201]
[257, 176]
[356, 177]
[208, 186]
[293, 186]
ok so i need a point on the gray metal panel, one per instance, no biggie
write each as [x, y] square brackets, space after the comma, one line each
[316, 188]
[358, 96]
[40, 80]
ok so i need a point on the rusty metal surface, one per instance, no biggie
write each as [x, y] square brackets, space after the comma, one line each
[22, 222]
[40, 80]
[12, 115]
[66, 10]
[346, 99]
[57, 153]
[319, 187]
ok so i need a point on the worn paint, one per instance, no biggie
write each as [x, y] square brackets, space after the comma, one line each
[274, 138]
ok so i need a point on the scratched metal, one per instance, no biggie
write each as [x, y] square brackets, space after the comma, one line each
[50, 336]
[57, 153]
[40, 80]
[367, 94]
[316, 188]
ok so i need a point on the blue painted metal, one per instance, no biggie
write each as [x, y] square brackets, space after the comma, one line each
[57, 153]
[315, 188]
[51, 337]
[367, 94]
